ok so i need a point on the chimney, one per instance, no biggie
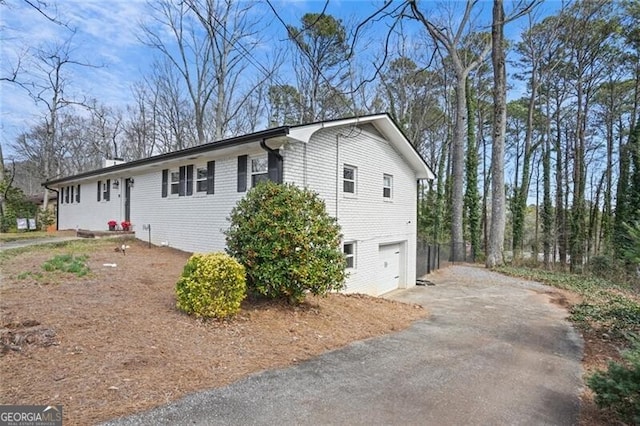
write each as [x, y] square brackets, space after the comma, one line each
[109, 162]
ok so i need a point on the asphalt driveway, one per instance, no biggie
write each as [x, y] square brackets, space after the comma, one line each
[495, 351]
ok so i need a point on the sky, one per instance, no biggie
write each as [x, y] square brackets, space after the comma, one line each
[107, 36]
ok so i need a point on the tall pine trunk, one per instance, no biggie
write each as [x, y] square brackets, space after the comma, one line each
[496, 235]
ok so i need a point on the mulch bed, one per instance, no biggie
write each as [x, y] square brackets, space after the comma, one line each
[112, 343]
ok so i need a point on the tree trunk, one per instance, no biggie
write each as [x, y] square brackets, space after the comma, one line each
[457, 167]
[496, 235]
[472, 198]
[560, 203]
[547, 208]
[522, 193]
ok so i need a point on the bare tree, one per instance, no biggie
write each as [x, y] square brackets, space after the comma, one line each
[49, 88]
[214, 40]
[453, 40]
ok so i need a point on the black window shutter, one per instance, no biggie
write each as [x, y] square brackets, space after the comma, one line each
[107, 194]
[61, 195]
[183, 172]
[211, 174]
[99, 189]
[275, 167]
[165, 183]
[78, 194]
[190, 179]
[72, 196]
[242, 173]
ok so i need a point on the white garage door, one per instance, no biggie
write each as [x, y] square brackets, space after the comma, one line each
[389, 256]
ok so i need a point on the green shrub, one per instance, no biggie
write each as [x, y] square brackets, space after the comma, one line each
[211, 286]
[287, 242]
[46, 218]
[618, 388]
[601, 266]
[68, 263]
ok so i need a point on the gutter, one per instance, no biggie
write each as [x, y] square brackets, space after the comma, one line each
[57, 202]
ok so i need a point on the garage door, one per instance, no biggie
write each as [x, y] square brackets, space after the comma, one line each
[389, 256]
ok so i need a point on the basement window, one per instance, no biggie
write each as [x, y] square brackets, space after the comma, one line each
[349, 250]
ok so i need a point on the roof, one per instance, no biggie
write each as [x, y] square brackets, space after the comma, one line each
[382, 122]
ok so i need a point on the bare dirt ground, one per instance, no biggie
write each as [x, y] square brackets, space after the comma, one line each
[112, 343]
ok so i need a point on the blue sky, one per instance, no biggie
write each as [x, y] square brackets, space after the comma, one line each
[107, 35]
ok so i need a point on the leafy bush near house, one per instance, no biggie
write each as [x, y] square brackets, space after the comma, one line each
[211, 286]
[287, 242]
[68, 263]
[46, 218]
[16, 205]
[618, 388]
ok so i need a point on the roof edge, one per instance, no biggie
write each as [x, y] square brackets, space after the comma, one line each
[211, 146]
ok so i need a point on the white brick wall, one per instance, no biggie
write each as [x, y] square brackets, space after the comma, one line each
[195, 223]
[368, 219]
[90, 213]
[191, 223]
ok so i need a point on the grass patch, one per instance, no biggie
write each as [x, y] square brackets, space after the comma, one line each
[35, 275]
[607, 305]
[69, 263]
[61, 247]
[6, 237]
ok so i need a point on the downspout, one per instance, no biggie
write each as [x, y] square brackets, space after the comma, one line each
[337, 172]
[263, 145]
[57, 203]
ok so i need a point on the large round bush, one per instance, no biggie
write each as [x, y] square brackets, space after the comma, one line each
[211, 286]
[287, 243]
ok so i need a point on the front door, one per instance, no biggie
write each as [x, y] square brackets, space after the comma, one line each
[127, 199]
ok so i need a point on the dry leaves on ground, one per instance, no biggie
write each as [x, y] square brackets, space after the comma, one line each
[112, 343]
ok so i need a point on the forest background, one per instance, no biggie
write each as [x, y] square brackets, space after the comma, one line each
[85, 81]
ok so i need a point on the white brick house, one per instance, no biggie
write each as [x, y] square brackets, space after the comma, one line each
[364, 168]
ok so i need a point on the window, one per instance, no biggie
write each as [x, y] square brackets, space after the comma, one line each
[349, 179]
[66, 195]
[78, 194]
[175, 181]
[201, 179]
[99, 190]
[259, 170]
[72, 196]
[178, 181]
[106, 190]
[387, 186]
[349, 250]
